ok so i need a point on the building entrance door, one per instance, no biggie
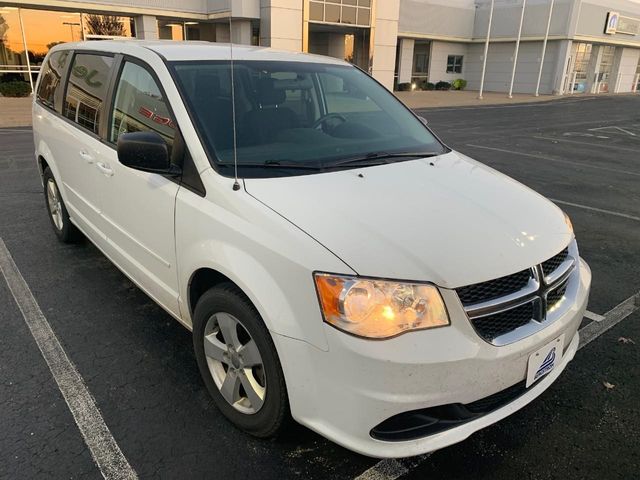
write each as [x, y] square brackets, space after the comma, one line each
[603, 77]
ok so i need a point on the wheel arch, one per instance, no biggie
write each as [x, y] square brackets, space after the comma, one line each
[203, 279]
[282, 305]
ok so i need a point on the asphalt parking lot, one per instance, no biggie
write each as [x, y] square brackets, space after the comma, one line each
[138, 365]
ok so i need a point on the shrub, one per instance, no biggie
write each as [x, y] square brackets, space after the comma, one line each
[15, 89]
[459, 84]
[424, 85]
[442, 85]
[429, 86]
[404, 87]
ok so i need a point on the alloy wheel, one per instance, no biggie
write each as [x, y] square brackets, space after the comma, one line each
[235, 363]
[55, 205]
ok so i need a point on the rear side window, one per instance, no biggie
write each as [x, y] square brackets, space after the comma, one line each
[87, 90]
[140, 106]
[50, 88]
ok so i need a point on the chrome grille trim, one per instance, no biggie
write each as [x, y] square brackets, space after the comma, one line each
[536, 292]
[563, 270]
[505, 302]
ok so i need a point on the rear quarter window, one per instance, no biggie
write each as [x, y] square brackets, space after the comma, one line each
[50, 87]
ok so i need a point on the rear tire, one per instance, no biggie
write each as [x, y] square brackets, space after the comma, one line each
[238, 362]
[66, 231]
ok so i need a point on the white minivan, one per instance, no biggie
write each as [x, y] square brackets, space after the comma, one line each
[336, 262]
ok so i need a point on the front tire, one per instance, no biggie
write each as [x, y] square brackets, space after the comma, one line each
[66, 231]
[238, 362]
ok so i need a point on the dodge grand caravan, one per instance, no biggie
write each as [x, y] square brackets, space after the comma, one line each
[336, 262]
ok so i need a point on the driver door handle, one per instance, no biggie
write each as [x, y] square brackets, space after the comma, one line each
[86, 157]
[104, 169]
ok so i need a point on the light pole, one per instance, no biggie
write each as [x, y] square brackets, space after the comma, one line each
[486, 51]
[544, 47]
[515, 54]
[71, 25]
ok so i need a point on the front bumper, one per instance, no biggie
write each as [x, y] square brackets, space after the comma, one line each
[345, 392]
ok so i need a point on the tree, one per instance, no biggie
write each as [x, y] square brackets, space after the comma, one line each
[104, 25]
[52, 44]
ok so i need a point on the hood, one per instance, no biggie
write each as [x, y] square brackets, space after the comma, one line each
[448, 220]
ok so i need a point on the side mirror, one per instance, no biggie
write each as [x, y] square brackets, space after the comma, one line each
[146, 151]
[423, 120]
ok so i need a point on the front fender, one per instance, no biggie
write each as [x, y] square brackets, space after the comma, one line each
[269, 258]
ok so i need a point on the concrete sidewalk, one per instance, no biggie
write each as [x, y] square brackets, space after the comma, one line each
[464, 98]
[15, 112]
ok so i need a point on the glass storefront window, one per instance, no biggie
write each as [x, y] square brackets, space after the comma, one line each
[107, 26]
[12, 55]
[604, 72]
[44, 29]
[170, 30]
[581, 63]
[180, 29]
[349, 12]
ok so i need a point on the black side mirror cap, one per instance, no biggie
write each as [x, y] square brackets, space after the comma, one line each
[146, 151]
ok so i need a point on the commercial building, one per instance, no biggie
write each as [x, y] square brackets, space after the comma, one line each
[591, 45]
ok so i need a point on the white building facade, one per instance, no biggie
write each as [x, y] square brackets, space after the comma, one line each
[592, 46]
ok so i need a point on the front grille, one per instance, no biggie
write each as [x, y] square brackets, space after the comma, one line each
[554, 262]
[481, 292]
[555, 296]
[493, 326]
[500, 306]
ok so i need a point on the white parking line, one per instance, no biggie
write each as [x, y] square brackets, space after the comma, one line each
[608, 146]
[614, 316]
[595, 209]
[549, 159]
[593, 316]
[9, 131]
[391, 469]
[103, 447]
[613, 127]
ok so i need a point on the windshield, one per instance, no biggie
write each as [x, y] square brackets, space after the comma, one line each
[296, 118]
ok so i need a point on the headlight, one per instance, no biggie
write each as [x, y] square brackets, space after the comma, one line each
[374, 308]
[567, 220]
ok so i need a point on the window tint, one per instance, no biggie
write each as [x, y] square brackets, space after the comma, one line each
[295, 112]
[87, 89]
[50, 87]
[140, 106]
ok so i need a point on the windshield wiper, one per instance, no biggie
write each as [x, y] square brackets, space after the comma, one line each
[379, 158]
[273, 163]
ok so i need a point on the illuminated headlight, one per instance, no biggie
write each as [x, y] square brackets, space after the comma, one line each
[373, 308]
[567, 220]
